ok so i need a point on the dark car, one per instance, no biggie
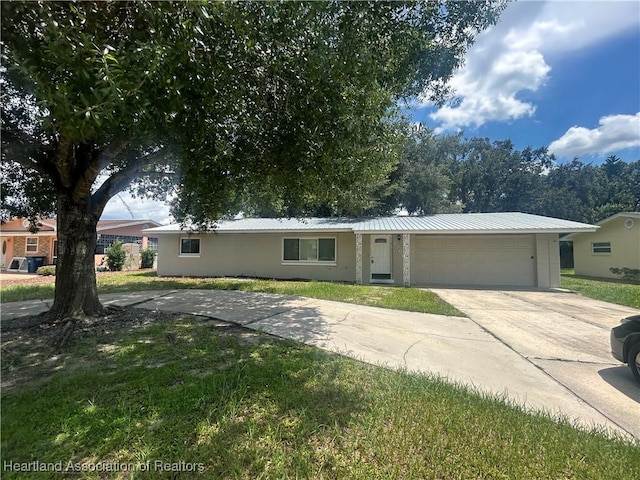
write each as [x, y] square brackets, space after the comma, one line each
[625, 343]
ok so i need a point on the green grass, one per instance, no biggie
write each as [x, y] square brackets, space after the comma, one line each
[409, 299]
[621, 292]
[244, 405]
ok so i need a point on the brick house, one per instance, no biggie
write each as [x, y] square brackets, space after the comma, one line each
[18, 242]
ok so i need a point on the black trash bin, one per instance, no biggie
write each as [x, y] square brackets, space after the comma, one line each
[35, 262]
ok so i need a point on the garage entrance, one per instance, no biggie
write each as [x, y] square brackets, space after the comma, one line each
[474, 260]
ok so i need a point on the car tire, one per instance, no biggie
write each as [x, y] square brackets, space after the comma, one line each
[633, 360]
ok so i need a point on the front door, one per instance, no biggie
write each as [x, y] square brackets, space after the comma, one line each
[3, 260]
[380, 257]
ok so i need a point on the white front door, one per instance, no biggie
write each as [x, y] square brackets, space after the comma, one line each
[380, 257]
[3, 260]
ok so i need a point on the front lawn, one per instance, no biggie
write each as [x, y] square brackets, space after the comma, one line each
[622, 292]
[409, 299]
[153, 392]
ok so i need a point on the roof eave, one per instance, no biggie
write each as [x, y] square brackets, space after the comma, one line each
[477, 231]
[286, 231]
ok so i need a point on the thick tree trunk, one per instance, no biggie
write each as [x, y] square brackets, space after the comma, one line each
[76, 293]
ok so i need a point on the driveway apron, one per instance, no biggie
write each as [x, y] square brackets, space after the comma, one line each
[566, 337]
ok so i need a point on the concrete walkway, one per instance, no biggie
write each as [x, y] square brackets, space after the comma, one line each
[466, 350]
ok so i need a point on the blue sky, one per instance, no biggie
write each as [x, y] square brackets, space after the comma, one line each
[561, 74]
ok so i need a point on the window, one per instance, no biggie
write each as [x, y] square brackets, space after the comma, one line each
[105, 241]
[32, 245]
[152, 243]
[309, 250]
[190, 246]
[601, 247]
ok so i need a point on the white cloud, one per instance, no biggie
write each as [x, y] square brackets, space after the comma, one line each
[512, 57]
[615, 132]
[121, 207]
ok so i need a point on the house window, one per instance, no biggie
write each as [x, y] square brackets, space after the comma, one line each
[190, 246]
[32, 245]
[309, 250]
[601, 247]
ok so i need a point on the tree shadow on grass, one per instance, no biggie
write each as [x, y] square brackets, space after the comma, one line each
[219, 398]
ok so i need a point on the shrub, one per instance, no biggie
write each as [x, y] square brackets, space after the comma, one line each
[146, 258]
[632, 274]
[116, 256]
[46, 270]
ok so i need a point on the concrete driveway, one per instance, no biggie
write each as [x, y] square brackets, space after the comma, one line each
[543, 350]
[566, 337]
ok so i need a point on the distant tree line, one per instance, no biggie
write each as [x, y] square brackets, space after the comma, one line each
[452, 173]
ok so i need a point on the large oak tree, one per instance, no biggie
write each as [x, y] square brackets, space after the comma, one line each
[212, 102]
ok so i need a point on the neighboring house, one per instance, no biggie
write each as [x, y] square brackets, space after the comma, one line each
[18, 243]
[514, 249]
[615, 244]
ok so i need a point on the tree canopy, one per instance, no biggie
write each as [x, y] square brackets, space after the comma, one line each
[217, 103]
[448, 173]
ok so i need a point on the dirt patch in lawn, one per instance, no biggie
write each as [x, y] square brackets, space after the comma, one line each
[29, 352]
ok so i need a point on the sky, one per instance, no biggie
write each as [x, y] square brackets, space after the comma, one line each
[558, 74]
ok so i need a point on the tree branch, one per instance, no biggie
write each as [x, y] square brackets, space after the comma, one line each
[115, 184]
[96, 162]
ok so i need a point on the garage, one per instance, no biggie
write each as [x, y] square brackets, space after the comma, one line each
[474, 260]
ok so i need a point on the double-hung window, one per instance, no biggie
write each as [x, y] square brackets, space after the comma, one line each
[190, 247]
[601, 247]
[32, 245]
[309, 250]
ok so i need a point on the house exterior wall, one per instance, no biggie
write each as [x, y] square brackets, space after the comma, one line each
[517, 260]
[132, 230]
[17, 247]
[253, 255]
[547, 260]
[625, 249]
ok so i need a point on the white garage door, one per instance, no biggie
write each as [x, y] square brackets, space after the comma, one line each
[473, 260]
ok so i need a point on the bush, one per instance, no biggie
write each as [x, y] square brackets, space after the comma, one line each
[146, 258]
[116, 256]
[46, 270]
[632, 274]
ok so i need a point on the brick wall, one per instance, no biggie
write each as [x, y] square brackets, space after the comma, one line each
[44, 248]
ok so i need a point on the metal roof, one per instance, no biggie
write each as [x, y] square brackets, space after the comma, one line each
[459, 223]
[454, 223]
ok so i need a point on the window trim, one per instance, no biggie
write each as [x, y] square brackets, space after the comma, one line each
[187, 254]
[605, 248]
[331, 263]
[26, 245]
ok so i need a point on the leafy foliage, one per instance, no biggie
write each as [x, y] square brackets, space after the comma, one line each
[147, 257]
[46, 270]
[291, 100]
[116, 256]
[448, 173]
[625, 273]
